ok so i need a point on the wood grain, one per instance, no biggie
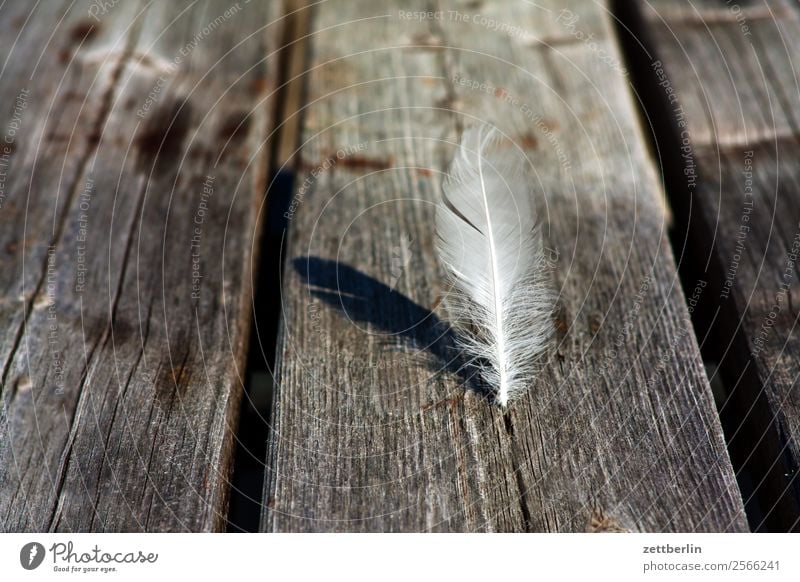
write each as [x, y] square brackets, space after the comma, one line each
[375, 426]
[127, 239]
[736, 90]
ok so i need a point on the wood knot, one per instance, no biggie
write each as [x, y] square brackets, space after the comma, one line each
[599, 522]
[260, 85]
[426, 41]
[450, 103]
[529, 141]
[173, 380]
[24, 384]
[234, 126]
[444, 402]
[83, 31]
[79, 33]
[163, 132]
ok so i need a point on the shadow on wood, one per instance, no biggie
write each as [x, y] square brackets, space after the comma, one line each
[365, 299]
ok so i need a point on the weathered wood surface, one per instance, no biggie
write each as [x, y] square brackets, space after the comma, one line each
[734, 76]
[373, 426]
[120, 388]
[292, 100]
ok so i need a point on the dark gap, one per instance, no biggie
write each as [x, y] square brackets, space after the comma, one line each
[523, 502]
[736, 383]
[255, 431]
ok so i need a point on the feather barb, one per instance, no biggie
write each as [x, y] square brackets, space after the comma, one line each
[501, 299]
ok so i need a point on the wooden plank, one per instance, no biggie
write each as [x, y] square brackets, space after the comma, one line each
[734, 106]
[132, 290]
[24, 25]
[701, 13]
[33, 181]
[736, 93]
[373, 426]
[292, 101]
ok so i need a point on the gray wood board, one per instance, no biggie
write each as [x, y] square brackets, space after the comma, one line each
[737, 96]
[374, 427]
[127, 247]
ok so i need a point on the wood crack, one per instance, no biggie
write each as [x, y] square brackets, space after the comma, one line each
[91, 146]
[517, 469]
[103, 115]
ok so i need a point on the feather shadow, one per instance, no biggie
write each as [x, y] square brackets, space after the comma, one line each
[364, 299]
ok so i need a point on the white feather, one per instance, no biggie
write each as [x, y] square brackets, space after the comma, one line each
[502, 299]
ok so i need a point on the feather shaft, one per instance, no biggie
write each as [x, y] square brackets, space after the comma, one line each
[503, 389]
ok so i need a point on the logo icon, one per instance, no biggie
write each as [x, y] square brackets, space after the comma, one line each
[401, 258]
[31, 555]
